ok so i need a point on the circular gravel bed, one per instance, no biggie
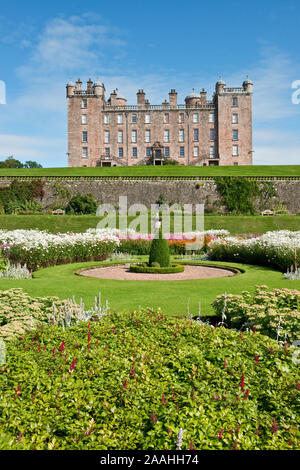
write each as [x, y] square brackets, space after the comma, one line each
[121, 272]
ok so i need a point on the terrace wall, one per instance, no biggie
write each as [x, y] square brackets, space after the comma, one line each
[143, 190]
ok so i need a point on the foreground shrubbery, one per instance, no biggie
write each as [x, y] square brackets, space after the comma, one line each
[280, 249]
[275, 313]
[133, 380]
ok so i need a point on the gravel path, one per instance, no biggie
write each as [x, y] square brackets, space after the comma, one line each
[121, 272]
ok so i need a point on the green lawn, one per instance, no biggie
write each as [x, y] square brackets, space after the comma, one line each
[71, 223]
[171, 296]
[246, 170]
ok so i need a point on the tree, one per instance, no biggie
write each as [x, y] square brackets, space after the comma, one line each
[32, 164]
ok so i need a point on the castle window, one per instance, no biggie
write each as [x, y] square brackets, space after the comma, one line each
[234, 101]
[84, 119]
[120, 137]
[181, 135]
[106, 118]
[84, 136]
[166, 118]
[212, 151]
[196, 151]
[196, 117]
[166, 135]
[235, 118]
[235, 163]
[167, 151]
[196, 135]
[235, 150]
[211, 134]
[133, 136]
[121, 153]
[134, 152]
[84, 103]
[106, 137]
[148, 151]
[148, 136]
[211, 117]
[133, 118]
[147, 118]
[181, 151]
[107, 153]
[84, 152]
[120, 118]
[181, 117]
[235, 134]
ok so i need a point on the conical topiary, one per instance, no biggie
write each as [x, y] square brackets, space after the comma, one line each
[159, 251]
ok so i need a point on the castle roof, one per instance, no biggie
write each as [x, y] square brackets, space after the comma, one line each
[193, 95]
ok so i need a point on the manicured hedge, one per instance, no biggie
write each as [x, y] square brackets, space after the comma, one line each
[175, 268]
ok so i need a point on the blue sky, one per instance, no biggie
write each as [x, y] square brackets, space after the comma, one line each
[154, 45]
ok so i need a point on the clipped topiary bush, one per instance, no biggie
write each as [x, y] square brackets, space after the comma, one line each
[174, 268]
[159, 251]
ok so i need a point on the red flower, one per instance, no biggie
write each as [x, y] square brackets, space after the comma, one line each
[19, 436]
[246, 394]
[242, 381]
[125, 384]
[298, 385]
[53, 352]
[153, 417]
[274, 427]
[62, 346]
[256, 359]
[89, 337]
[113, 330]
[220, 433]
[192, 446]
[225, 362]
[18, 390]
[72, 367]
[163, 399]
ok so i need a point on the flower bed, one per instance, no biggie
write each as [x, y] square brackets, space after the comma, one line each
[39, 249]
[175, 268]
[275, 313]
[279, 250]
[132, 380]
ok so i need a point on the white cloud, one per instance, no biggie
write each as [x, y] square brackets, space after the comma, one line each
[22, 147]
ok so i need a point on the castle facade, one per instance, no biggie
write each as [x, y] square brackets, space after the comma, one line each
[199, 132]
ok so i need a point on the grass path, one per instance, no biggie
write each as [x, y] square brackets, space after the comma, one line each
[171, 296]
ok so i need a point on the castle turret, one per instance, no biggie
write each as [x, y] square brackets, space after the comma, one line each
[194, 99]
[220, 86]
[70, 88]
[99, 89]
[248, 85]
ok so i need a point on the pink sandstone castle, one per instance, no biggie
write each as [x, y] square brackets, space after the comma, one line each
[200, 132]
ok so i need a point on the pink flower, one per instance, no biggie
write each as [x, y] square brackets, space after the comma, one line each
[113, 330]
[125, 384]
[89, 337]
[246, 394]
[153, 417]
[19, 436]
[220, 433]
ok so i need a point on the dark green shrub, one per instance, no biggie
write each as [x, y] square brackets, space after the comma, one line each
[155, 265]
[19, 193]
[82, 204]
[175, 268]
[159, 251]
